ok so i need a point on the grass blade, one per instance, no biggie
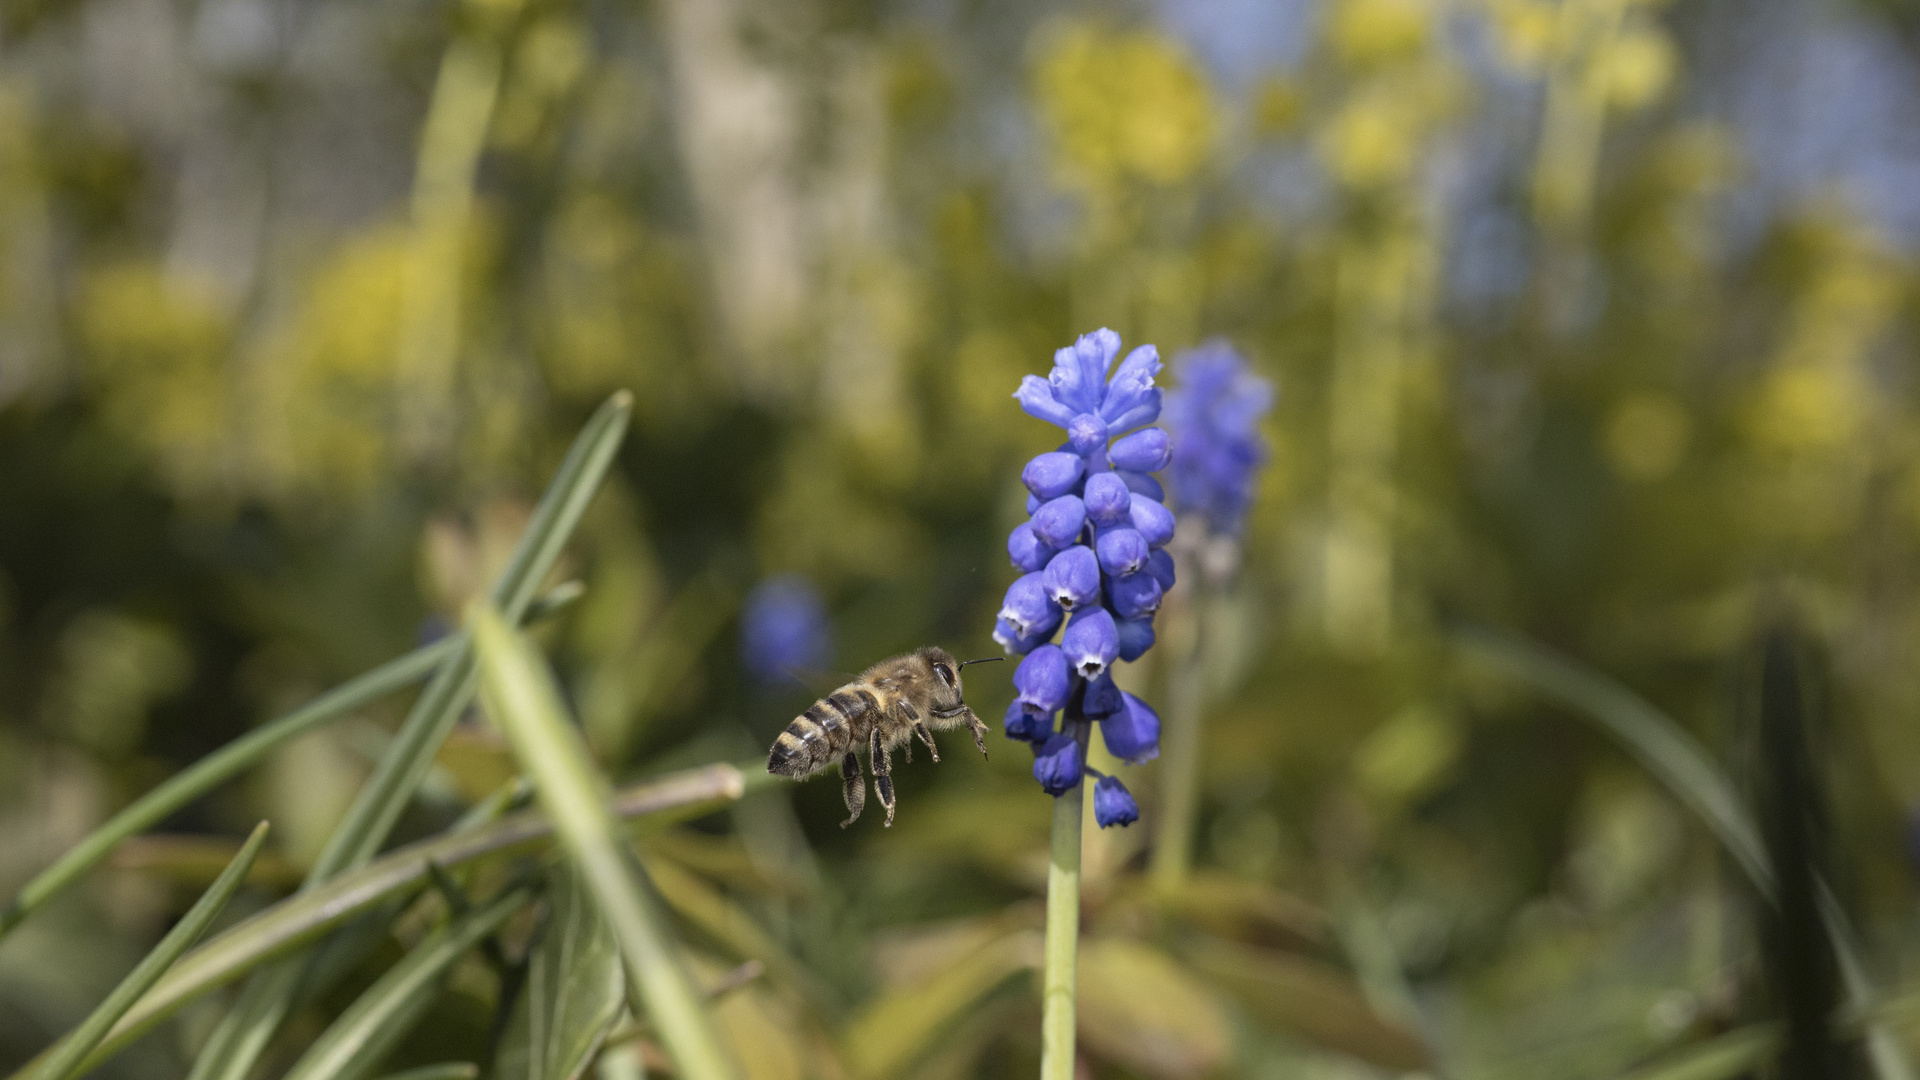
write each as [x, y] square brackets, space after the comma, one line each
[239, 755]
[450, 1070]
[243, 1032]
[897, 1028]
[380, 1017]
[574, 992]
[305, 916]
[1660, 743]
[405, 764]
[521, 699]
[1736, 1053]
[65, 1058]
[1673, 756]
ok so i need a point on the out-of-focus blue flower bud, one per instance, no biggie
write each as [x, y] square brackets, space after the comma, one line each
[1154, 521]
[1056, 764]
[1026, 726]
[1058, 521]
[1028, 552]
[1086, 434]
[1121, 551]
[1160, 565]
[1143, 451]
[783, 628]
[1101, 699]
[1133, 734]
[1042, 680]
[1028, 610]
[1072, 578]
[1142, 484]
[1091, 642]
[1135, 596]
[1113, 804]
[1052, 475]
[1136, 637]
[1107, 498]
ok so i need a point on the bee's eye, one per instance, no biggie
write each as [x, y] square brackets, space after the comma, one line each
[945, 673]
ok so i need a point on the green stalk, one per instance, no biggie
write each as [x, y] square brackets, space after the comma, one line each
[1179, 808]
[1057, 986]
[240, 754]
[521, 699]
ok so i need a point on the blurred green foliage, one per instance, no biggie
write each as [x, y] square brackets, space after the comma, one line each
[300, 304]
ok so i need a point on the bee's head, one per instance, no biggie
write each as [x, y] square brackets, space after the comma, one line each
[947, 695]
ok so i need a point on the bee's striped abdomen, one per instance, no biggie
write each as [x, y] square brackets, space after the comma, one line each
[828, 729]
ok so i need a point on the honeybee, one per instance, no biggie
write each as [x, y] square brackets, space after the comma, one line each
[886, 707]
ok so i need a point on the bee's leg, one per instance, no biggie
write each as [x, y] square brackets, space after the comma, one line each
[912, 717]
[920, 729]
[853, 786]
[979, 730]
[882, 772]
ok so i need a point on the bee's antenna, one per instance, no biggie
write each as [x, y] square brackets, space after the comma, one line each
[982, 660]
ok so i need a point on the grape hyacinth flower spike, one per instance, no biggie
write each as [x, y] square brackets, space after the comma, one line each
[1214, 414]
[1217, 446]
[1092, 563]
[784, 630]
[1093, 570]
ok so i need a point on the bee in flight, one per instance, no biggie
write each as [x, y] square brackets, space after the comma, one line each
[890, 703]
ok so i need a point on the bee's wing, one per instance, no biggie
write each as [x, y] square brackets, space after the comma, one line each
[817, 681]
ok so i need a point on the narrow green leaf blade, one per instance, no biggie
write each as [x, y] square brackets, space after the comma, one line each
[379, 1018]
[301, 918]
[1661, 744]
[241, 754]
[574, 990]
[521, 698]
[450, 1070]
[218, 767]
[65, 1059]
[1673, 756]
[243, 1033]
[1736, 1053]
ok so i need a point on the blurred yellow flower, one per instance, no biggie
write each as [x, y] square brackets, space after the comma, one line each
[1646, 436]
[1373, 140]
[1365, 32]
[155, 348]
[1804, 407]
[328, 380]
[1124, 105]
[1638, 67]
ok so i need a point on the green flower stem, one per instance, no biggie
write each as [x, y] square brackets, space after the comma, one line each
[1058, 985]
[1178, 811]
[239, 755]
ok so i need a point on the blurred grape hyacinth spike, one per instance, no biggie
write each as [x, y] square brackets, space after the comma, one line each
[784, 630]
[1091, 560]
[1217, 447]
